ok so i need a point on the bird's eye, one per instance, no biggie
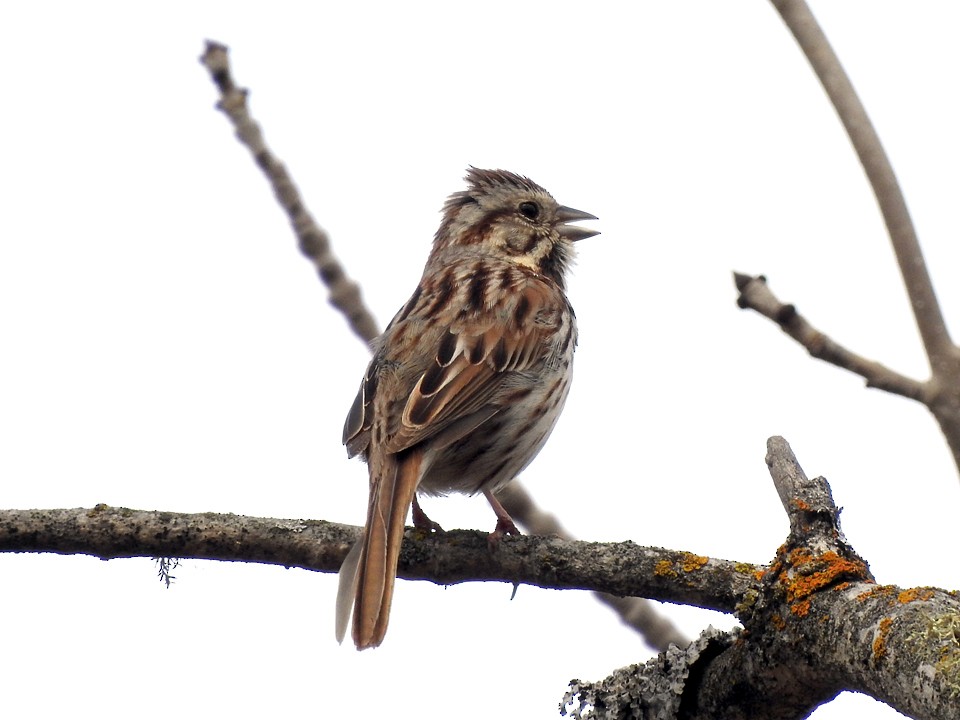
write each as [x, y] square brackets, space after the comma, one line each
[529, 210]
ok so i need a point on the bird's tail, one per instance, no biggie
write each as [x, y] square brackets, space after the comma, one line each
[368, 573]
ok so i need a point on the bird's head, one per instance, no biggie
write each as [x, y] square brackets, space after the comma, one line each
[511, 217]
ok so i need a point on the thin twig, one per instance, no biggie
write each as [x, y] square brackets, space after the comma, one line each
[756, 295]
[941, 393]
[638, 613]
[313, 240]
[940, 351]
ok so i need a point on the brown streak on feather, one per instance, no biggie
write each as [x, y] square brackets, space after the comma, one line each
[522, 310]
[516, 396]
[499, 356]
[446, 287]
[477, 289]
[411, 304]
[477, 353]
[447, 350]
[432, 380]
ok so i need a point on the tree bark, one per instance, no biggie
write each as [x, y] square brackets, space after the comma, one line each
[814, 621]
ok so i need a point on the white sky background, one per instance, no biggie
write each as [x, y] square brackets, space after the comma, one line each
[166, 347]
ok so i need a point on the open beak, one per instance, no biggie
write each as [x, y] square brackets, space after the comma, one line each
[573, 232]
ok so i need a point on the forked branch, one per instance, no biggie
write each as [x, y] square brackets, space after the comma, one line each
[926, 310]
[941, 392]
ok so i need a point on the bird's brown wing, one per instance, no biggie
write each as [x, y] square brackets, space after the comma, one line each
[464, 384]
[467, 379]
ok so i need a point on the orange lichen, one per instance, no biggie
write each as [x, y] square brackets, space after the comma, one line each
[801, 574]
[912, 594]
[842, 586]
[876, 591]
[880, 641]
[664, 568]
[800, 504]
[813, 573]
[778, 622]
[693, 562]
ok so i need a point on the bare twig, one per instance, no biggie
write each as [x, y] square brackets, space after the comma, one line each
[814, 517]
[756, 295]
[941, 393]
[314, 242]
[941, 352]
[345, 296]
[798, 493]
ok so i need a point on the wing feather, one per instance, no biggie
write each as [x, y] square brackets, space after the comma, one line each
[475, 360]
[475, 357]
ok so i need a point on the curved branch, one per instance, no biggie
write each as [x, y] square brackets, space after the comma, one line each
[941, 393]
[940, 350]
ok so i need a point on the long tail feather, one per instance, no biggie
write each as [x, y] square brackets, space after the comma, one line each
[347, 588]
[391, 494]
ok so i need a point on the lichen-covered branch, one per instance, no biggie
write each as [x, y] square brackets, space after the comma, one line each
[446, 558]
[814, 621]
[816, 624]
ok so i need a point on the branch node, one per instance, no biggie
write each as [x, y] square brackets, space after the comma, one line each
[803, 499]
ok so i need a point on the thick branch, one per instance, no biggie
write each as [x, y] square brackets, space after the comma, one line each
[899, 646]
[926, 310]
[816, 625]
[756, 295]
[445, 558]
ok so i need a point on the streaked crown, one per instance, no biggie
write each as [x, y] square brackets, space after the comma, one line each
[511, 217]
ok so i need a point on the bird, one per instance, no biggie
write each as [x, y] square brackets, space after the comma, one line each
[467, 381]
